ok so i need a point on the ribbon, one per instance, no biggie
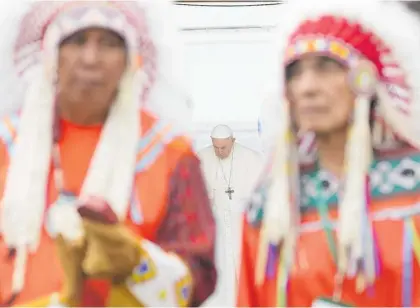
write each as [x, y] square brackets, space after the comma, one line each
[322, 209]
[411, 246]
[282, 280]
[407, 275]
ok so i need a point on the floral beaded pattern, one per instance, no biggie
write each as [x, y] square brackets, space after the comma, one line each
[389, 177]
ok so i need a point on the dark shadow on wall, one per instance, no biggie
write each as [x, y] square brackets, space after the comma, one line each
[414, 5]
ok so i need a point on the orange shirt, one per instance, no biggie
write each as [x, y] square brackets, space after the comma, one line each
[394, 210]
[156, 163]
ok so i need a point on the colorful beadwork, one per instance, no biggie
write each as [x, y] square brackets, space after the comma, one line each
[364, 78]
[146, 270]
[330, 47]
[183, 291]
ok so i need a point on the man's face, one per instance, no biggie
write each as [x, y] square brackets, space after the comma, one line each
[320, 96]
[222, 147]
[91, 64]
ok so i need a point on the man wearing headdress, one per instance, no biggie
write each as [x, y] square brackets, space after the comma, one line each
[103, 203]
[337, 223]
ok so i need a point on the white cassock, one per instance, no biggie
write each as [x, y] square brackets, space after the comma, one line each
[239, 171]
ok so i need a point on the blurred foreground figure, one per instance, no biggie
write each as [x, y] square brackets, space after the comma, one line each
[338, 223]
[103, 203]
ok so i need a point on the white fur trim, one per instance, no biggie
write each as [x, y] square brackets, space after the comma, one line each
[28, 171]
[63, 218]
[352, 207]
[159, 278]
[278, 218]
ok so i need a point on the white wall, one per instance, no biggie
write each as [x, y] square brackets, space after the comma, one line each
[228, 70]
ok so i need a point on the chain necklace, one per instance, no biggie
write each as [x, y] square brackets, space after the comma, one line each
[229, 190]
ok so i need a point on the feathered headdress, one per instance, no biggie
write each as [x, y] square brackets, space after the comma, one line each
[32, 32]
[382, 61]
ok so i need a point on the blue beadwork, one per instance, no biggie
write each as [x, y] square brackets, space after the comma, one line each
[143, 268]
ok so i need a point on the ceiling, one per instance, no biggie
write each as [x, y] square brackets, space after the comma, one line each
[227, 2]
[414, 5]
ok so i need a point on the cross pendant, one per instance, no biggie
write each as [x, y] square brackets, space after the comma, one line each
[229, 191]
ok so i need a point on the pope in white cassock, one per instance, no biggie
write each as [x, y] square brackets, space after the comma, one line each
[230, 171]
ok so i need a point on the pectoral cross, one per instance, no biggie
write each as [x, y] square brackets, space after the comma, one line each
[229, 191]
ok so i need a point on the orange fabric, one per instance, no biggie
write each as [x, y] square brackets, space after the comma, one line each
[313, 277]
[77, 146]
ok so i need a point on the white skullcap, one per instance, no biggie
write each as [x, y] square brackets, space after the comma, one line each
[221, 132]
